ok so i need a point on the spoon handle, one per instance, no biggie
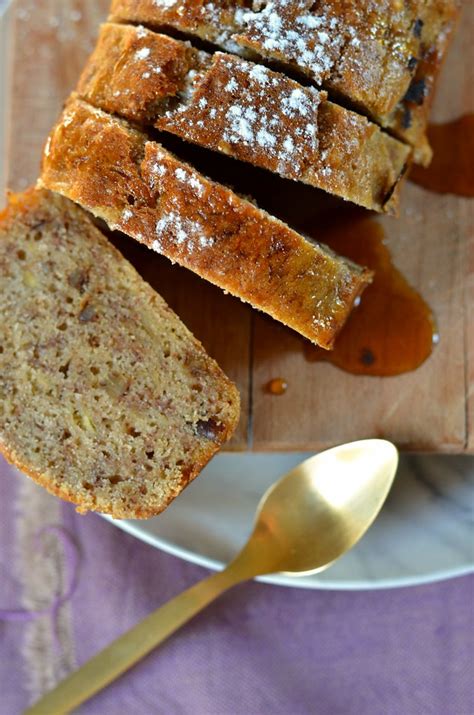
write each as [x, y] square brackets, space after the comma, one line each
[128, 649]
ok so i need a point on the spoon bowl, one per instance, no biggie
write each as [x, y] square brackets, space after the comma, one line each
[317, 512]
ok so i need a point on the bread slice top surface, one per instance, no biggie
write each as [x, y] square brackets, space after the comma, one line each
[107, 400]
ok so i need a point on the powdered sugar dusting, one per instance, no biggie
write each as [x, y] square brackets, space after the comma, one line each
[231, 85]
[290, 30]
[142, 53]
[141, 32]
[181, 190]
[158, 169]
[190, 178]
[182, 231]
[164, 3]
[262, 116]
[197, 185]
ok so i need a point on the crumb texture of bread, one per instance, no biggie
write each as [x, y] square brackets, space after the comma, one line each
[230, 105]
[138, 186]
[381, 57]
[106, 399]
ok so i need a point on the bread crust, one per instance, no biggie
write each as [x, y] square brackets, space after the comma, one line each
[136, 185]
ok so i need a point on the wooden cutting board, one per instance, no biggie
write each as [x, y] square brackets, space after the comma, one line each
[431, 243]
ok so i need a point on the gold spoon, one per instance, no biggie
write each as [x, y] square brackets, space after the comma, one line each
[304, 522]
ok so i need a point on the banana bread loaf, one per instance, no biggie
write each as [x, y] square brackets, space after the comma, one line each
[136, 185]
[236, 107]
[107, 400]
[379, 56]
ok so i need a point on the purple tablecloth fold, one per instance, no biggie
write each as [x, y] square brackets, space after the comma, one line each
[260, 649]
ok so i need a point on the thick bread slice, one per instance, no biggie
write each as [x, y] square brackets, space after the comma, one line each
[379, 56]
[236, 107]
[106, 399]
[137, 186]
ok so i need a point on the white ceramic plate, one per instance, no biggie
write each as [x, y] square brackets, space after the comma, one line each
[424, 533]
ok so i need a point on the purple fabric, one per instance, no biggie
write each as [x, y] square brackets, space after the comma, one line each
[260, 649]
[13, 695]
[72, 557]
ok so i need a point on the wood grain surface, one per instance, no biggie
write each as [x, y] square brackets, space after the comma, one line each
[432, 243]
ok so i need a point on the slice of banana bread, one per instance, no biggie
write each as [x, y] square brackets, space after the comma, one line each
[107, 400]
[136, 185]
[379, 56]
[236, 107]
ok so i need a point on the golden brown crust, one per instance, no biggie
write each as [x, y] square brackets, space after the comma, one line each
[124, 67]
[380, 56]
[84, 385]
[409, 118]
[233, 106]
[136, 185]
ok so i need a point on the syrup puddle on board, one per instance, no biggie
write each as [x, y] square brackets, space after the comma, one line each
[452, 168]
[392, 330]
